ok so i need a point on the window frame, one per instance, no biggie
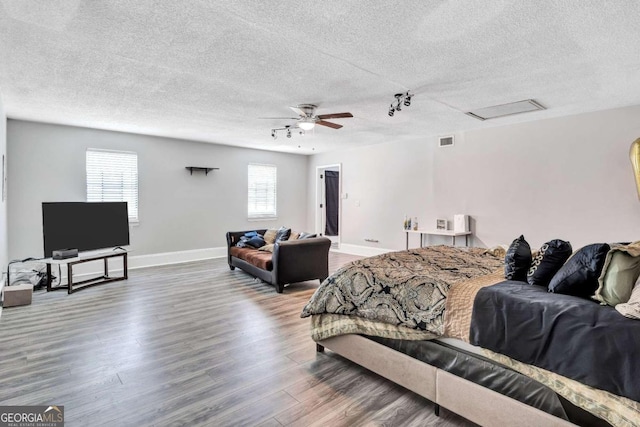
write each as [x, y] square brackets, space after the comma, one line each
[266, 214]
[133, 205]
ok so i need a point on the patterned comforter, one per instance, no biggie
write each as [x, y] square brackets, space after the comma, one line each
[407, 288]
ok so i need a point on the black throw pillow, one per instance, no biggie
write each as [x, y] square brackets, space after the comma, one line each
[283, 233]
[579, 276]
[551, 257]
[256, 242]
[518, 260]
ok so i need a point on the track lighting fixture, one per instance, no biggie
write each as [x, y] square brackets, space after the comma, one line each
[287, 130]
[401, 99]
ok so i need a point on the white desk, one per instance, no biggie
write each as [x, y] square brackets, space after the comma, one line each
[86, 257]
[449, 233]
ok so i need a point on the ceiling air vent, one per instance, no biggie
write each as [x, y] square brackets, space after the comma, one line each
[496, 111]
[446, 141]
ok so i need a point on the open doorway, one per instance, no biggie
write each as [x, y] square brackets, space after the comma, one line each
[328, 208]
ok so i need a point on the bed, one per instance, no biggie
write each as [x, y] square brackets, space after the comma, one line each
[444, 323]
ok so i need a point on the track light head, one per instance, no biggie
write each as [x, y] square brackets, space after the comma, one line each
[273, 134]
[288, 133]
[407, 101]
[391, 111]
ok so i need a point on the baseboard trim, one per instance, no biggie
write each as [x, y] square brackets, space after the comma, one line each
[361, 250]
[179, 257]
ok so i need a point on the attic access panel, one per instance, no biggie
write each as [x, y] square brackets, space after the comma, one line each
[502, 110]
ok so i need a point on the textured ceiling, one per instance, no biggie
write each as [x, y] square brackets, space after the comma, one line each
[207, 70]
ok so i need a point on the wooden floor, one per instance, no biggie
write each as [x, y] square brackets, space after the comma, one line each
[191, 344]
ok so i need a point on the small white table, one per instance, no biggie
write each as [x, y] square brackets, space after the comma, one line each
[82, 258]
[449, 233]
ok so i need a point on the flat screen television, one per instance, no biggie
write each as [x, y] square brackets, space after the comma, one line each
[84, 226]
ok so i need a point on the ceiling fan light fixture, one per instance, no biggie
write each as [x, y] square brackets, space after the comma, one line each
[306, 124]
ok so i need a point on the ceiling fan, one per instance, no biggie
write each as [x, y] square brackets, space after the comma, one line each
[307, 118]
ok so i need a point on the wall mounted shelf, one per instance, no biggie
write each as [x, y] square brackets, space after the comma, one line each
[201, 169]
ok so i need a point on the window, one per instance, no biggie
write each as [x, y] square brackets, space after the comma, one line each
[112, 176]
[262, 191]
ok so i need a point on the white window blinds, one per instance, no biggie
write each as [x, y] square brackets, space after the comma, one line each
[262, 191]
[112, 176]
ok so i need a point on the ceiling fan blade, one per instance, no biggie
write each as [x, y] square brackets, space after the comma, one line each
[278, 118]
[328, 124]
[299, 111]
[335, 116]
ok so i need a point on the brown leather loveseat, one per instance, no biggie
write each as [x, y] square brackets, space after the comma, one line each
[292, 261]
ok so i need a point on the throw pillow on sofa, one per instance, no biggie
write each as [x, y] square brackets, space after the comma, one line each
[282, 234]
[267, 248]
[579, 275]
[256, 242]
[517, 260]
[270, 236]
[304, 235]
[551, 257]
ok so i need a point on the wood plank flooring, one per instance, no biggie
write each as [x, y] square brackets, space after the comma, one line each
[192, 344]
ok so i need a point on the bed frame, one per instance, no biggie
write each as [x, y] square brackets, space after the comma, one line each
[472, 401]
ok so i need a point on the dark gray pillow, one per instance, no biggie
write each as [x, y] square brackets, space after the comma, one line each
[551, 257]
[517, 261]
[579, 275]
[304, 235]
[283, 233]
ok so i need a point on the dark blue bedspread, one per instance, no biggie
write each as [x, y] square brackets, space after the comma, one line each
[570, 336]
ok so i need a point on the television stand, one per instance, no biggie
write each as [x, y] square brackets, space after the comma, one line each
[80, 259]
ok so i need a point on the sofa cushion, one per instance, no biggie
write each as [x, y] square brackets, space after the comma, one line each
[254, 257]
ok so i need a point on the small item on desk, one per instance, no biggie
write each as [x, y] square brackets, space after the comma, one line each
[406, 223]
[409, 224]
[415, 223]
[64, 253]
[441, 224]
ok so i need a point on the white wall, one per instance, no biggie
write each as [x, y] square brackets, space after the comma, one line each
[566, 178]
[3, 203]
[178, 211]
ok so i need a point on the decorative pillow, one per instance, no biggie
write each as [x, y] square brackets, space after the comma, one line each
[294, 235]
[631, 309]
[270, 236]
[579, 275]
[551, 256]
[267, 248]
[283, 233]
[251, 233]
[304, 235]
[619, 274]
[517, 260]
[256, 242]
[242, 243]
